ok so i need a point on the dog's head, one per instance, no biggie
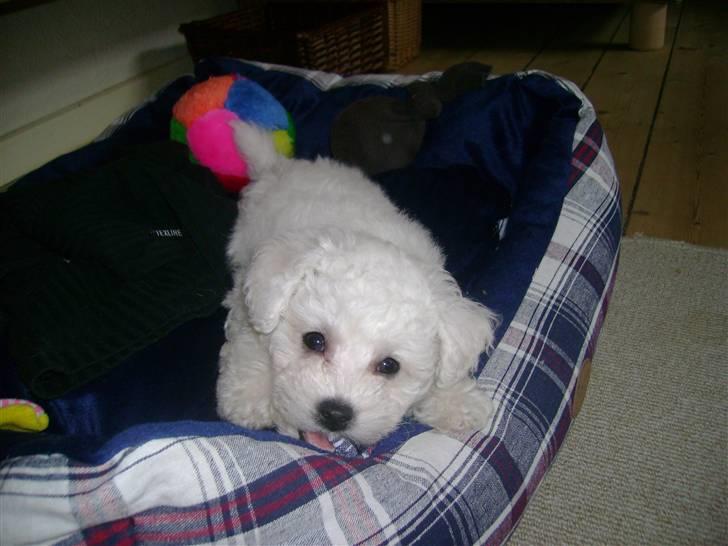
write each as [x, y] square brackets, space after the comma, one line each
[358, 333]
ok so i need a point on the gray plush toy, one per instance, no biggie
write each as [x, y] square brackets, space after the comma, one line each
[379, 134]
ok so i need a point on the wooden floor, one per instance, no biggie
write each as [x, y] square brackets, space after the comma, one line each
[665, 112]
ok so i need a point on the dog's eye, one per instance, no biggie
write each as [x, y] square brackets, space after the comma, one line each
[315, 341]
[388, 366]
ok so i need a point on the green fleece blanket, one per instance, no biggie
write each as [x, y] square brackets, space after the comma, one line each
[99, 265]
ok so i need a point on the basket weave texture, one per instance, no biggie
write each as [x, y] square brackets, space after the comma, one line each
[342, 37]
[404, 29]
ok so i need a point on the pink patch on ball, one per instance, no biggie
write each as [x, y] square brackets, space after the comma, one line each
[210, 139]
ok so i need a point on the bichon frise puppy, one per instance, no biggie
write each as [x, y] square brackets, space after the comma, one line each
[342, 318]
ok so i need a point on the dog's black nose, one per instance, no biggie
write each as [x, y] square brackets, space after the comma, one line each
[334, 414]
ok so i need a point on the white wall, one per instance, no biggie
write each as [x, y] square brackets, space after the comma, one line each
[69, 67]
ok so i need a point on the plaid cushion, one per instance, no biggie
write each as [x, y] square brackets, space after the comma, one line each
[185, 484]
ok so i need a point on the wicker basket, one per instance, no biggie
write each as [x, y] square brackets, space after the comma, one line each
[404, 28]
[348, 38]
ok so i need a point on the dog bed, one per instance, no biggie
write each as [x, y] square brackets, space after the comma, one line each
[515, 181]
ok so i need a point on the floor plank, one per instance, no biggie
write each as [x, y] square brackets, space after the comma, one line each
[625, 89]
[584, 34]
[494, 34]
[682, 192]
[436, 59]
[510, 40]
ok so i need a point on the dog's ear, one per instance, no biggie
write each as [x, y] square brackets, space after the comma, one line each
[275, 272]
[466, 331]
[454, 402]
[256, 145]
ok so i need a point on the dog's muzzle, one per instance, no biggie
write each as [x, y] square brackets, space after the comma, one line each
[334, 415]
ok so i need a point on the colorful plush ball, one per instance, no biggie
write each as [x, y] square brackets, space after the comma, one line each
[201, 120]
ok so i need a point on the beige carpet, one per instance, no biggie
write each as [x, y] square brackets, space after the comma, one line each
[646, 461]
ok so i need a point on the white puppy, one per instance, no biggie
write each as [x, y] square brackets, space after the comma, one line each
[342, 317]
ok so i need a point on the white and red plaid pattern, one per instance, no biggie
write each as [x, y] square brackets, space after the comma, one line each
[225, 487]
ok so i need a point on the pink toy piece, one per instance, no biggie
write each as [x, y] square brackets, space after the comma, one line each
[210, 139]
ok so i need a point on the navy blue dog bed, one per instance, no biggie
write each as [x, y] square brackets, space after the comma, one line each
[516, 183]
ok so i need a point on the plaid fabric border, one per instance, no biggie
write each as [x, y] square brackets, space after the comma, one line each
[434, 489]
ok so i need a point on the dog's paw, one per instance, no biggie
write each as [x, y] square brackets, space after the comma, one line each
[455, 410]
[243, 407]
[243, 393]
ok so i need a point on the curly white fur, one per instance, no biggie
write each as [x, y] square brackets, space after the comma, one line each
[319, 248]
